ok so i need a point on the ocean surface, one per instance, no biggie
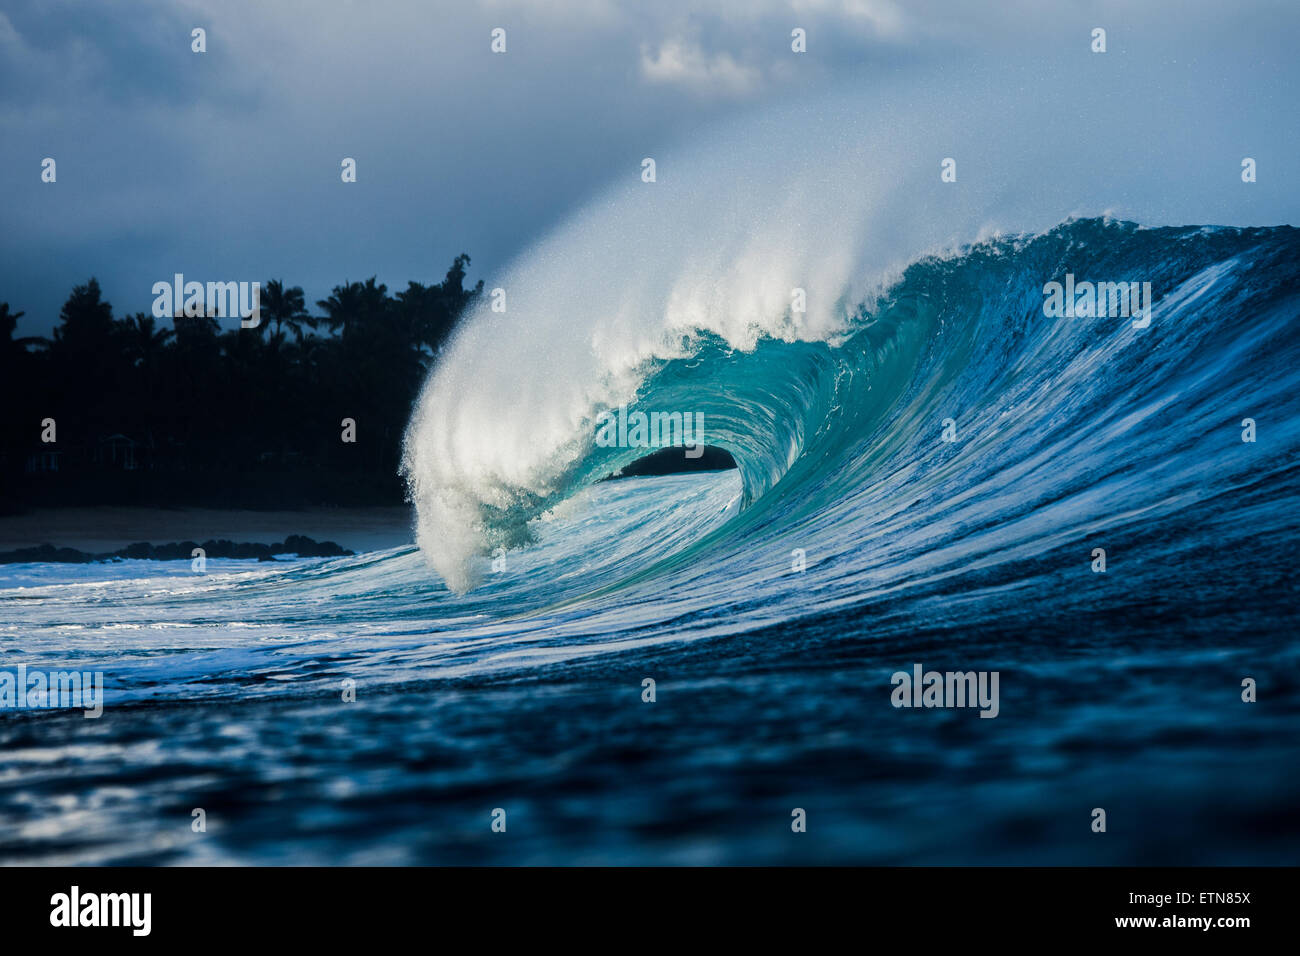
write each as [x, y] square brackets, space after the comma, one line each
[500, 664]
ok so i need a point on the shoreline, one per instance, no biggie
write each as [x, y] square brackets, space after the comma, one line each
[104, 529]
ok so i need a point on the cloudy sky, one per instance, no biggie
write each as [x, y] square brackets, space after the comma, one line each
[225, 165]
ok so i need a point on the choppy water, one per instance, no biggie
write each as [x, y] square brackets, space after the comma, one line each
[1118, 690]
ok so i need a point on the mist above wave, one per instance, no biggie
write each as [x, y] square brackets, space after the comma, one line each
[834, 199]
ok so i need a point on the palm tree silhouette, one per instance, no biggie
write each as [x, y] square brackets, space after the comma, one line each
[356, 307]
[143, 340]
[284, 307]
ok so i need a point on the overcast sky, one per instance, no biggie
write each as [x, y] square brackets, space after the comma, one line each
[225, 165]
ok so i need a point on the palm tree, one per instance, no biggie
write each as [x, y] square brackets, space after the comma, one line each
[144, 340]
[355, 306]
[284, 307]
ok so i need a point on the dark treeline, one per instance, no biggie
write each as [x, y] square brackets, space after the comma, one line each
[183, 412]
